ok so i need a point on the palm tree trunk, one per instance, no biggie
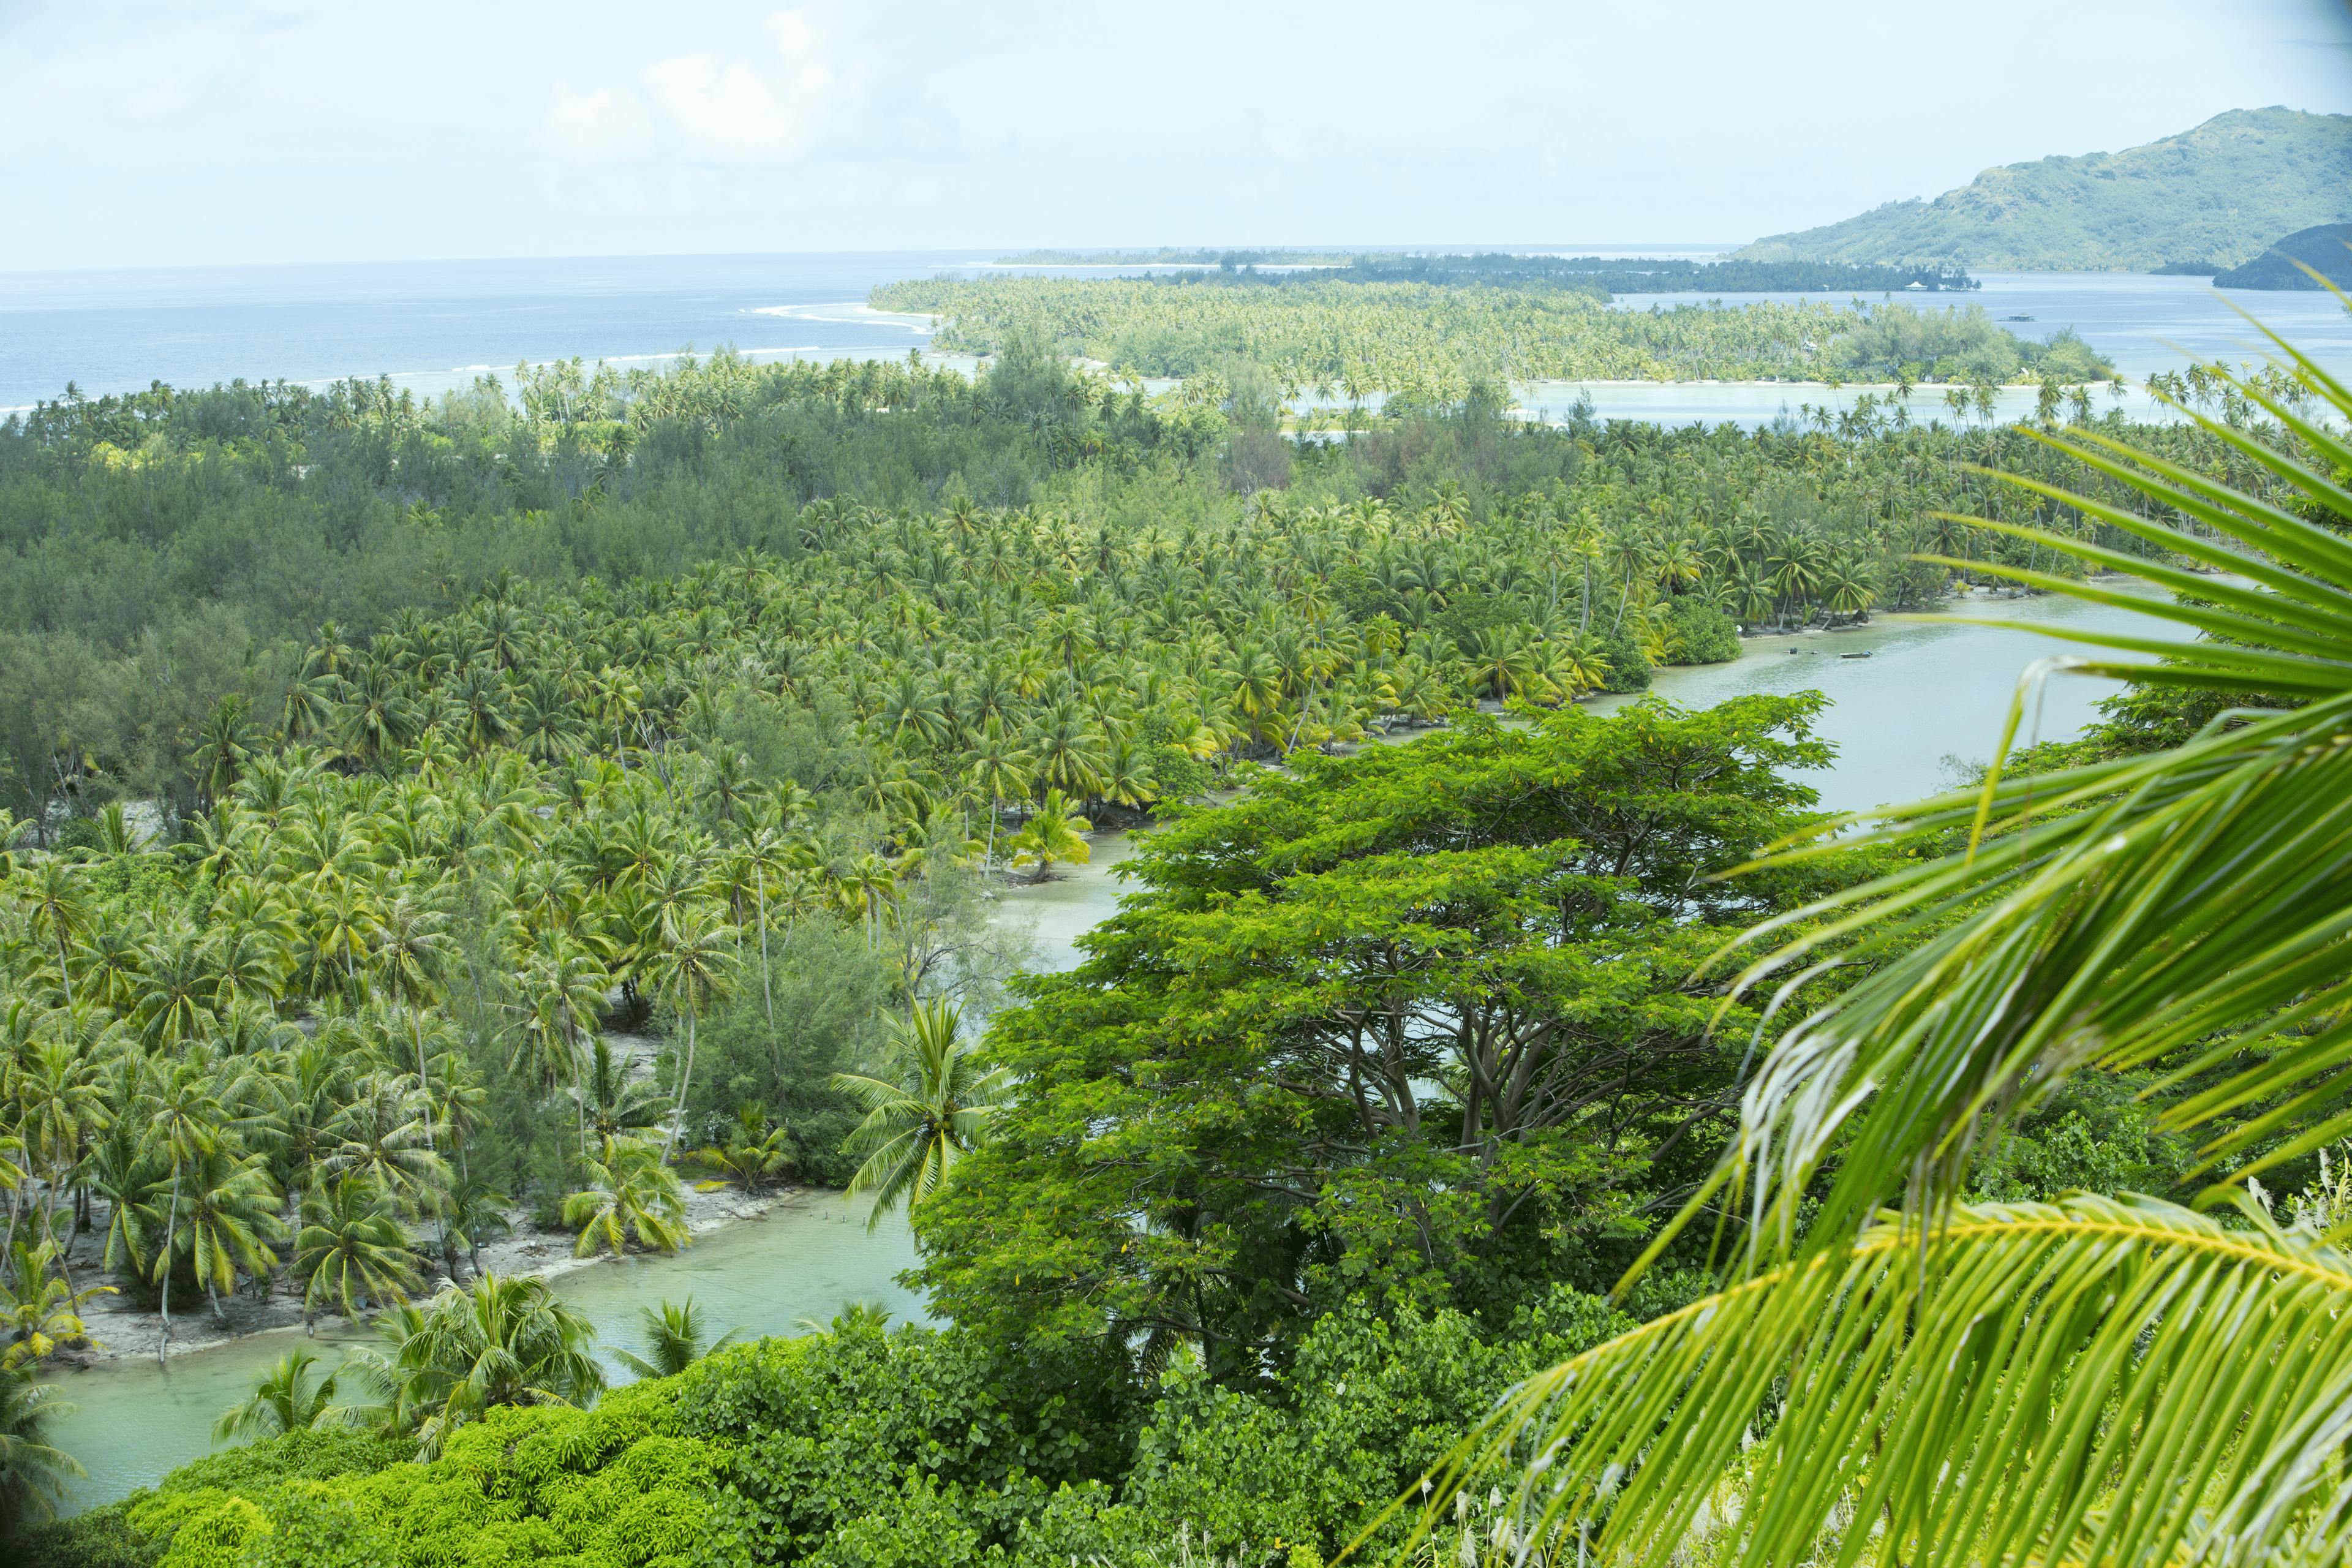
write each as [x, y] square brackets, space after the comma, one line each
[171, 1226]
[416, 1018]
[684, 1083]
[767, 989]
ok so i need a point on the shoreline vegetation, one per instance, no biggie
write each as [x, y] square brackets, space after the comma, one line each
[1600, 276]
[1429, 344]
[382, 769]
[125, 1335]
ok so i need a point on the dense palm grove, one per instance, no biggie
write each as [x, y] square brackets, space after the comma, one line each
[1429, 344]
[634, 809]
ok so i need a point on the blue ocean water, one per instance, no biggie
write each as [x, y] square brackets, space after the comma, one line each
[432, 325]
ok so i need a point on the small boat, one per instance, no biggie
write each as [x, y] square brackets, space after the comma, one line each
[1863, 654]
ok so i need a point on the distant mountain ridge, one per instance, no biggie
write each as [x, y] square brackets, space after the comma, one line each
[2221, 193]
[2328, 248]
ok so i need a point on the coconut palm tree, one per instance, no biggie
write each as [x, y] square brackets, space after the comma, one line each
[183, 1118]
[502, 1341]
[38, 1313]
[1051, 834]
[935, 1110]
[689, 970]
[753, 1152]
[998, 771]
[33, 1471]
[285, 1399]
[351, 1251]
[632, 1195]
[675, 1338]
[384, 1136]
[57, 902]
[2101, 1380]
[614, 1103]
[223, 1219]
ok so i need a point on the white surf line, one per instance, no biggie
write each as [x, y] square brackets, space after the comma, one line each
[858, 315]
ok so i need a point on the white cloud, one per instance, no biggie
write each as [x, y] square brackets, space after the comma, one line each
[602, 124]
[726, 107]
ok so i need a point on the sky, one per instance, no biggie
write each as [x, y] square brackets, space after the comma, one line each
[196, 132]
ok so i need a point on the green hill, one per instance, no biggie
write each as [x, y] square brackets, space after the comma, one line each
[2327, 248]
[2218, 194]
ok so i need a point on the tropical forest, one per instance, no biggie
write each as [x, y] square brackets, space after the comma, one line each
[1091, 899]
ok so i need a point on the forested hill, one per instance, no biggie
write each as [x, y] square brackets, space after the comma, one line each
[2221, 193]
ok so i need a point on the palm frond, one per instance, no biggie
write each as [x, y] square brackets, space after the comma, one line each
[2096, 1381]
[2115, 916]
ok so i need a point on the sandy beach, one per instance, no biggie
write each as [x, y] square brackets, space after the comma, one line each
[124, 1331]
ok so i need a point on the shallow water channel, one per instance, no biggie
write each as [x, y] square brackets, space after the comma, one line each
[1934, 687]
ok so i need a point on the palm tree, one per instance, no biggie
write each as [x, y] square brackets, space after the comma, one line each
[284, 1399]
[632, 1192]
[613, 1103]
[675, 1338]
[37, 1313]
[473, 1211]
[224, 1216]
[998, 771]
[1051, 834]
[753, 1151]
[32, 1472]
[60, 1107]
[385, 1136]
[937, 1110]
[184, 1119]
[691, 971]
[2098, 1379]
[224, 742]
[59, 908]
[350, 1250]
[502, 1341]
[769, 856]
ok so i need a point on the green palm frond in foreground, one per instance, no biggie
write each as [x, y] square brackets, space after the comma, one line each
[2115, 913]
[2100, 1382]
[2093, 1382]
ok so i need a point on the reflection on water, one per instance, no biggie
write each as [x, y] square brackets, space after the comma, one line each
[135, 1421]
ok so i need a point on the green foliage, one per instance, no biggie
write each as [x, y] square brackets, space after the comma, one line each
[1627, 666]
[2101, 1379]
[612, 1487]
[1960, 346]
[1698, 633]
[859, 1447]
[1425, 344]
[1414, 1024]
[2217, 192]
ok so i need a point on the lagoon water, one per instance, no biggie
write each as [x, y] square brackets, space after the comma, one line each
[133, 1421]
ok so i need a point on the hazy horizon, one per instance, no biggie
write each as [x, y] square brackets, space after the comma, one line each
[292, 132]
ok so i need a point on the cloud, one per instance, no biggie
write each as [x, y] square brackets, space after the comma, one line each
[603, 123]
[721, 107]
